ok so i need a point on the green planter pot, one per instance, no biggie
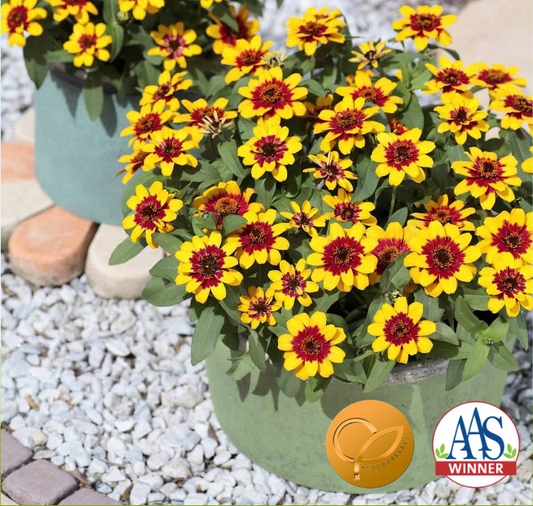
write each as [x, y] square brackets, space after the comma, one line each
[76, 159]
[288, 436]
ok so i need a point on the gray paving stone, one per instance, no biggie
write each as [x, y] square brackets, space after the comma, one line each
[14, 455]
[87, 496]
[39, 483]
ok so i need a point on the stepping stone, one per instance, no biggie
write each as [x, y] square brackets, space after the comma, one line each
[14, 454]
[39, 483]
[51, 248]
[23, 129]
[22, 196]
[124, 281]
[87, 496]
[6, 500]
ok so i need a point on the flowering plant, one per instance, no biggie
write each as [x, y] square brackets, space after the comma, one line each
[124, 42]
[311, 203]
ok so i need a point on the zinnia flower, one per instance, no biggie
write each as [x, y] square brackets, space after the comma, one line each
[369, 54]
[258, 307]
[246, 58]
[313, 29]
[445, 212]
[290, 284]
[310, 347]
[206, 4]
[343, 259]
[347, 211]
[486, 177]
[509, 284]
[134, 161]
[462, 117]
[79, 9]
[175, 44]
[496, 76]
[259, 239]
[527, 165]
[226, 199]
[347, 124]
[333, 170]
[19, 16]
[206, 267]
[517, 107]
[423, 24]
[392, 242]
[167, 86]
[269, 95]
[398, 155]
[270, 149]
[202, 116]
[507, 233]
[401, 331]
[88, 42]
[396, 126]
[169, 147]
[304, 217]
[139, 8]
[154, 209]
[440, 257]
[143, 124]
[225, 36]
[378, 93]
[451, 77]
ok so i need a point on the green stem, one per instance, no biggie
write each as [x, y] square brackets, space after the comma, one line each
[393, 201]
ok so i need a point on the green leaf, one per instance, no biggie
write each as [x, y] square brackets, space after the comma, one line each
[395, 276]
[518, 329]
[265, 189]
[125, 251]
[223, 13]
[110, 11]
[216, 83]
[162, 294]
[442, 447]
[351, 370]
[246, 128]
[509, 448]
[241, 367]
[514, 453]
[257, 350]
[206, 334]
[231, 223]
[412, 116]
[368, 180]
[454, 373]
[506, 455]
[437, 453]
[228, 153]
[432, 311]
[477, 299]
[363, 338]
[170, 243]
[378, 374]
[206, 220]
[117, 34]
[314, 87]
[520, 144]
[444, 455]
[445, 334]
[399, 216]
[465, 316]
[231, 302]
[315, 387]
[338, 321]
[34, 56]
[496, 332]
[476, 360]
[288, 383]
[166, 268]
[501, 358]
[456, 153]
[94, 96]
[60, 55]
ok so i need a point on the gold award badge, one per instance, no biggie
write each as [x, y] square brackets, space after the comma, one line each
[370, 444]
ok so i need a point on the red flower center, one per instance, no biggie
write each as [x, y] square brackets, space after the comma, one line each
[260, 307]
[292, 283]
[350, 118]
[18, 16]
[230, 36]
[163, 92]
[174, 45]
[301, 219]
[444, 257]
[387, 251]
[271, 93]
[257, 236]
[425, 22]
[395, 126]
[169, 149]
[452, 78]
[489, 169]
[225, 206]
[371, 95]
[312, 29]
[347, 211]
[148, 211]
[461, 115]
[269, 149]
[512, 238]
[87, 41]
[509, 282]
[401, 153]
[75, 3]
[207, 265]
[138, 160]
[342, 254]
[520, 104]
[332, 171]
[310, 345]
[250, 57]
[148, 124]
[494, 77]
[444, 214]
[400, 329]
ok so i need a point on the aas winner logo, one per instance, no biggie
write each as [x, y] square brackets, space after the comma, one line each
[370, 444]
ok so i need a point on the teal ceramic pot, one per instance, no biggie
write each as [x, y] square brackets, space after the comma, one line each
[76, 159]
[287, 436]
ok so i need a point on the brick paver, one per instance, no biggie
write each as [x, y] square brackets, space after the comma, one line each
[14, 455]
[87, 496]
[39, 483]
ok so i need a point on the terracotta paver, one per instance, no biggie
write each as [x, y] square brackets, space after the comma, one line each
[17, 162]
[50, 248]
[14, 454]
[87, 496]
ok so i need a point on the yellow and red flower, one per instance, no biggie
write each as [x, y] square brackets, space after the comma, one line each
[291, 284]
[392, 242]
[206, 4]
[378, 93]
[202, 116]
[441, 256]
[346, 211]
[246, 58]
[310, 347]
[154, 209]
[133, 161]
[168, 147]
[313, 29]
[497, 76]
[139, 8]
[79, 9]
[527, 164]
[259, 239]
[164, 92]
[517, 107]
[333, 170]
[509, 284]
[507, 233]
[423, 24]
[451, 77]
[270, 149]
[401, 331]
[206, 267]
[462, 117]
[445, 212]
[398, 155]
[396, 126]
[19, 16]
[321, 104]
[143, 124]
[88, 42]
[344, 259]
[225, 36]
[369, 54]
[174, 44]
[347, 124]
[226, 199]
[270, 95]
[258, 307]
[486, 177]
[305, 218]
